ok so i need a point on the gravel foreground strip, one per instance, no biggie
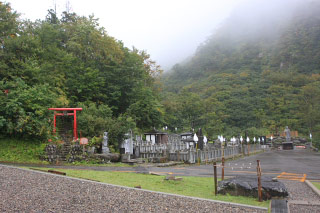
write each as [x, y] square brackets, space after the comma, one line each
[30, 191]
[294, 208]
[300, 193]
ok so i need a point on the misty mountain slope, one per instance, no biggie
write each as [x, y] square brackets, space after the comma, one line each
[289, 40]
[253, 74]
[299, 45]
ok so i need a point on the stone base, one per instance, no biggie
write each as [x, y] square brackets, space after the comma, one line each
[287, 145]
[159, 160]
[125, 158]
[113, 157]
[248, 186]
[105, 150]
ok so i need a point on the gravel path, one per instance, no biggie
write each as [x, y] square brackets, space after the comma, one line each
[301, 197]
[299, 208]
[300, 191]
[30, 191]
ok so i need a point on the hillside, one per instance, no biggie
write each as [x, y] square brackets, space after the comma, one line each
[70, 61]
[258, 73]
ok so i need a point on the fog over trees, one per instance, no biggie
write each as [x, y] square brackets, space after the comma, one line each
[252, 74]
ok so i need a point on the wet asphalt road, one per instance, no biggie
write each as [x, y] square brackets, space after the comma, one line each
[288, 164]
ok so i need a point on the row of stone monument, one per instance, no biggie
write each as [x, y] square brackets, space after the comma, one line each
[199, 141]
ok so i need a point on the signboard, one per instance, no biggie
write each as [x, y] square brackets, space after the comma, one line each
[83, 141]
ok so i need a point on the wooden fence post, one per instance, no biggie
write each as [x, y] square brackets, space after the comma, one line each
[215, 178]
[222, 173]
[206, 153]
[259, 180]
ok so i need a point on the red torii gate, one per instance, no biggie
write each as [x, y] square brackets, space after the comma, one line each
[74, 113]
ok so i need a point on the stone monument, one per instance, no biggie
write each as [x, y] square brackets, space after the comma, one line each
[288, 134]
[288, 144]
[127, 144]
[200, 138]
[105, 148]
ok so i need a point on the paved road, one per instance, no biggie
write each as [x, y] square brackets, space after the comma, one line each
[299, 163]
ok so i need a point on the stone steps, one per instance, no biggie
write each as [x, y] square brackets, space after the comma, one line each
[66, 148]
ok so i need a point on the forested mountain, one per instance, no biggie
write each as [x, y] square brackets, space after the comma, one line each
[70, 61]
[258, 73]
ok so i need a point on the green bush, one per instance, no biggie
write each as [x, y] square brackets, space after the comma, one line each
[24, 111]
[95, 141]
[94, 120]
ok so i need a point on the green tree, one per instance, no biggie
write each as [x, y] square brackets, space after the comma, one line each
[95, 120]
[24, 111]
[309, 99]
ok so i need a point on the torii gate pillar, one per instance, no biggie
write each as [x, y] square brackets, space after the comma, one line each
[65, 112]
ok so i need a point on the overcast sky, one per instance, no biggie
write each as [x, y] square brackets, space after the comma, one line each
[169, 30]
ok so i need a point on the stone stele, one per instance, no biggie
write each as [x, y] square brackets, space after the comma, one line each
[248, 186]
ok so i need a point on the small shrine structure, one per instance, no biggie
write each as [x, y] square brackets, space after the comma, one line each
[156, 137]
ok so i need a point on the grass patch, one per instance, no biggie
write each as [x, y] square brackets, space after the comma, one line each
[201, 187]
[92, 163]
[21, 151]
[316, 184]
[29, 151]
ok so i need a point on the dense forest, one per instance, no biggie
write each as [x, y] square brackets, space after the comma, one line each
[258, 73]
[69, 61]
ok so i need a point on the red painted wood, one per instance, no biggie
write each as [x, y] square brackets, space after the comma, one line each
[61, 114]
[75, 125]
[66, 109]
[54, 123]
[74, 113]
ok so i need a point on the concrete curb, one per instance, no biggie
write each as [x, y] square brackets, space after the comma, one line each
[303, 202]
[91, 181]
[315, 189]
